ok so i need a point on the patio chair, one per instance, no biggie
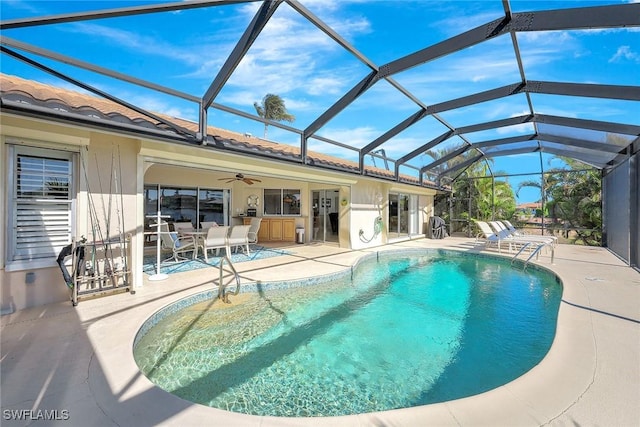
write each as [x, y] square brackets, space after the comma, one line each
[179, 227]
[216, 239]
[252, 234]
[486, 235]
[239, 236]
[205, 225]
[178, 245]
[490, 237]
[501, 230]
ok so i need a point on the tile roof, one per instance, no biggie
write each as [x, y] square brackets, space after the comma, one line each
[18, 90]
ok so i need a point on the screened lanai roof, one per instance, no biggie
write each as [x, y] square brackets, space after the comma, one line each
[420, 89]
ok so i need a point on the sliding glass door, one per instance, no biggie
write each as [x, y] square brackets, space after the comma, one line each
[403, 215]
[178, 204]
[325, 215]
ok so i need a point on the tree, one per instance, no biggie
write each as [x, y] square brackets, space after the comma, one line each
[573, 199]
[577, 200]
[476, 194]
[272, 108]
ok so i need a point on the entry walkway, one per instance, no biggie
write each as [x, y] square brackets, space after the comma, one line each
[77, 363]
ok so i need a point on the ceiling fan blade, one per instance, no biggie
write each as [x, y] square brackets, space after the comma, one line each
[240, 177]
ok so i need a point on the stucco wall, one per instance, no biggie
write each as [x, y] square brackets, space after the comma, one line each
[110, 164]
[97, 152]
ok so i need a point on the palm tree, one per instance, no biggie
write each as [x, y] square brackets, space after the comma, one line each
[578, 201]
[477, 194]
[272, 108]
[573, 199]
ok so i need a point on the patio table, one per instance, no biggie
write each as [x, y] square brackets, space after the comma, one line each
[199, 237]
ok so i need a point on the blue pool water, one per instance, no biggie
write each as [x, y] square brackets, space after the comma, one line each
[404, 331]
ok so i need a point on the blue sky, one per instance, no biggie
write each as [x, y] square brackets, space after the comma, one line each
[292, 58]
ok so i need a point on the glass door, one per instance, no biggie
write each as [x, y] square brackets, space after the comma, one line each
[325, 215]
[177, 204]
[399, 218]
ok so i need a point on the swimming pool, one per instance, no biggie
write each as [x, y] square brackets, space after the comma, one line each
[399, 330]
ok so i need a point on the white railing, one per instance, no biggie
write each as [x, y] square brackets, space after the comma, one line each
[535, 252]
[223, 286]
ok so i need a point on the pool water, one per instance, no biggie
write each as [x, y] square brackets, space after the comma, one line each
[405, 331]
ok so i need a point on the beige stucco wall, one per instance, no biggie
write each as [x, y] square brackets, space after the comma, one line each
[108, 157]
[42, 283]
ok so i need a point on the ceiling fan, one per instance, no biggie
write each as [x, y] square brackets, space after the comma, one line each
[240, 177]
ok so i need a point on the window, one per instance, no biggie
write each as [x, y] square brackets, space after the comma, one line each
[281, 201]
[40, 206]
[177, 204]
[213, 206]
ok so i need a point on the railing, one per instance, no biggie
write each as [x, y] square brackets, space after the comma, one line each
[525, 246]
[221, 285]
[535, 252]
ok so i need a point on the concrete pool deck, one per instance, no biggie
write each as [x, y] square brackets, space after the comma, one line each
[77, 362]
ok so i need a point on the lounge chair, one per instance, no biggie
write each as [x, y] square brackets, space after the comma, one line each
[502, 231]
[517, 233]
[179, 245]
[252, 235]
[216, 239]
[487, 235]
[239, 236]
[493, 238]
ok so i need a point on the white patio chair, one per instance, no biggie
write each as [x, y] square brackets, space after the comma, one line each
[487, 235]
[514, 232]
[178, 245]
[252, 234]
[238, 236]
[179, 227]
[216, 239]
[508, 236]
[492, 237]
[205, 225]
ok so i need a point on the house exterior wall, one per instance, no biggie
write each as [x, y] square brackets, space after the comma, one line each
[108, 164]
[99, 154]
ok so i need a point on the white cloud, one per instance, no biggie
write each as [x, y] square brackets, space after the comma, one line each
[624, 53]
[355, 137]
[22, 5]
[521, 129]
[296, 60]
[461, 17]
[137, 42]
